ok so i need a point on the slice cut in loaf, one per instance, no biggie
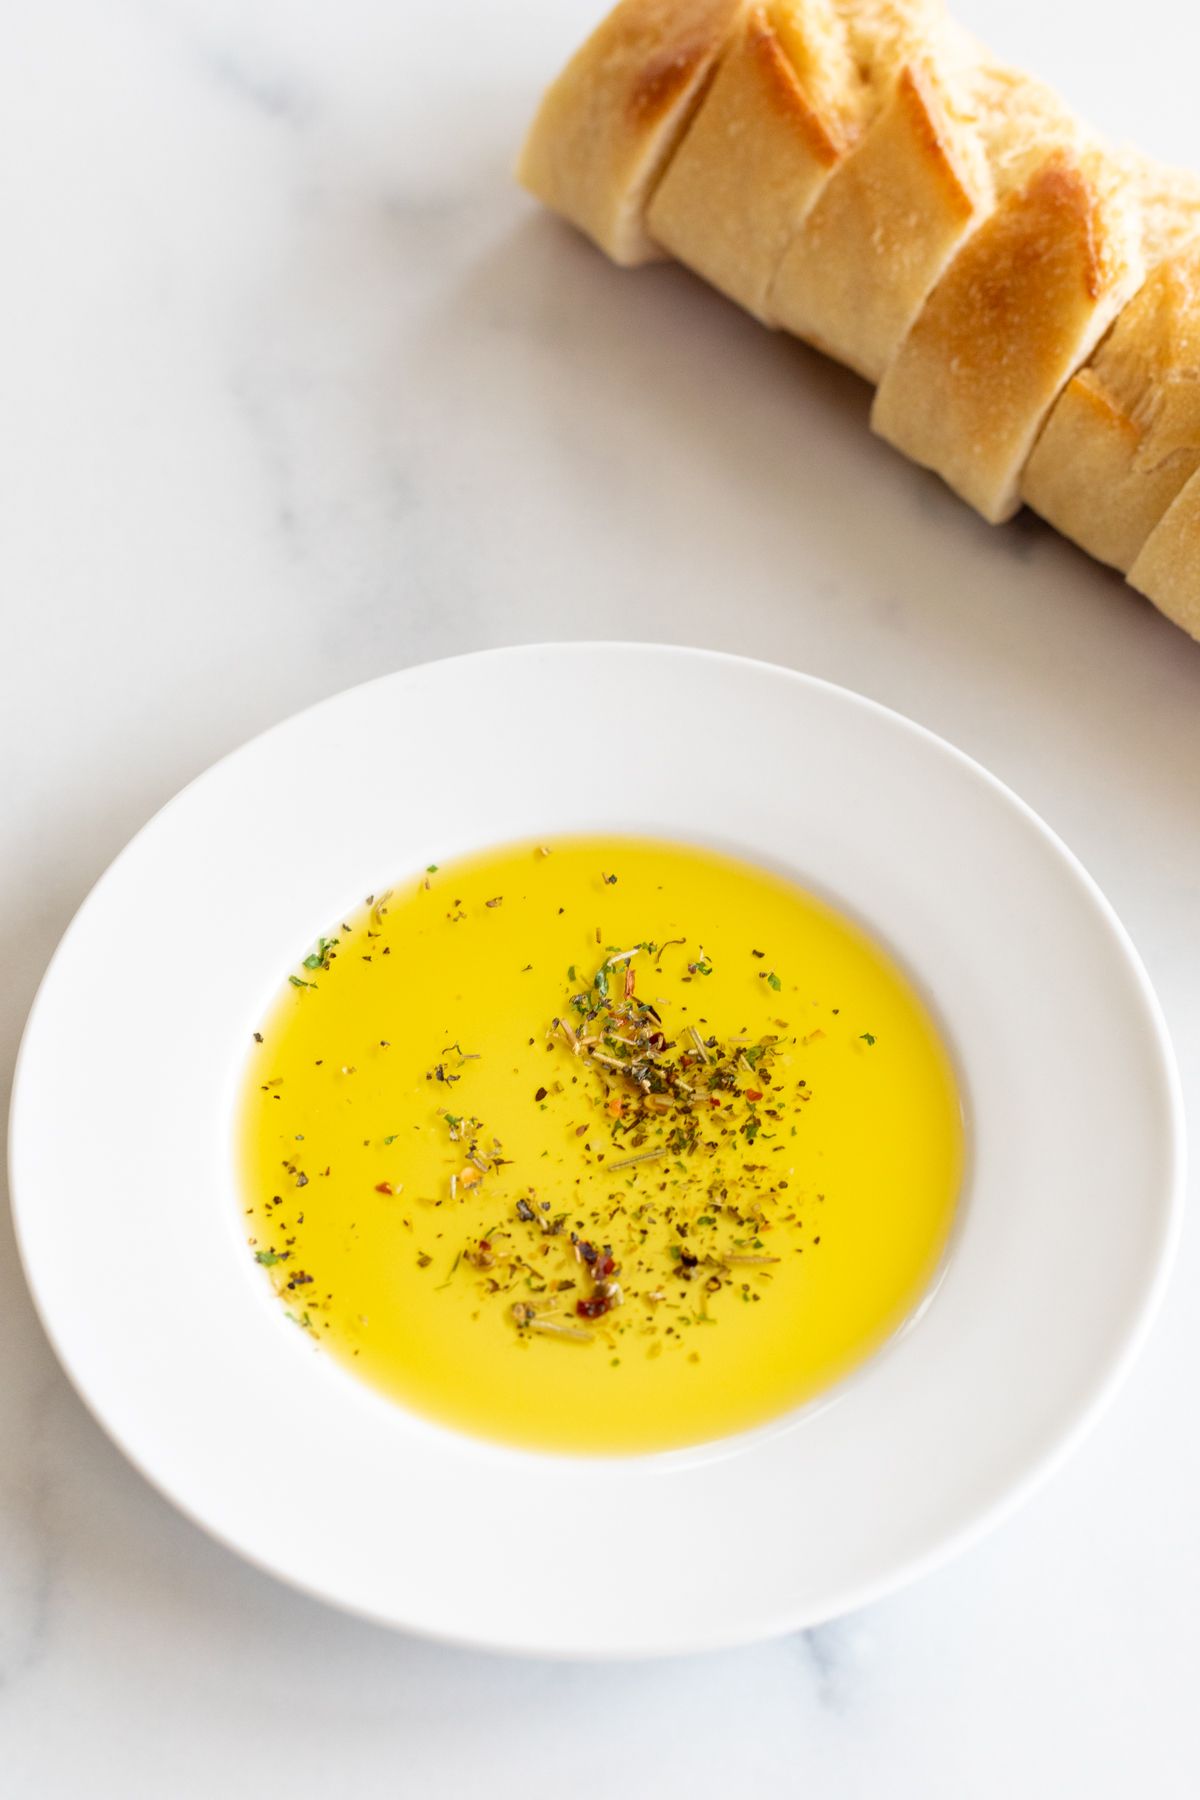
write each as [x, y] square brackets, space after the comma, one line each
[607, 127]
[1024, 302]
[1124, 437]
[798, 85]
[1167, 569]
[892, 215]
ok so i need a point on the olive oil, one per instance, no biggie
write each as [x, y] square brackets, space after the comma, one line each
[600, 1145]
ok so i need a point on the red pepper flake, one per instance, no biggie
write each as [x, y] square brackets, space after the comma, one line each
[594, 1306]
[753, 1094]
[384, 1187]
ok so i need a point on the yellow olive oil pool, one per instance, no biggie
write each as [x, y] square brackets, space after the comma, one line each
[598, 1145]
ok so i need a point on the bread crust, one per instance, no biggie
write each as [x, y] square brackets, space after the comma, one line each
[1124, 437]
[1021, 306]
[756, 156]
[1167, 568]
[888, 222]
[606, 129]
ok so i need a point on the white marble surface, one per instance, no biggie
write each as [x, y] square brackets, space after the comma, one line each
[297, 389]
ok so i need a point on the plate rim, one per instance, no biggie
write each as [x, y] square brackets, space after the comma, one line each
[1102, 1388]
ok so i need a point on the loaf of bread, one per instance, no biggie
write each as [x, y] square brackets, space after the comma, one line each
[866, 175]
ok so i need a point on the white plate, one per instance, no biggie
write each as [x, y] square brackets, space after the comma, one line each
[122, 1167]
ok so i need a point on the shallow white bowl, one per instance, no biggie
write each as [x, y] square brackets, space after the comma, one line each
[130, 1230]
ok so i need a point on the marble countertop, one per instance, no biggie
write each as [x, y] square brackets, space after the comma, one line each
[298, 389]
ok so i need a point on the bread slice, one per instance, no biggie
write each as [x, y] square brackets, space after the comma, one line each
[1124, 437]
[1024, 302]
[772, 126]
[793, 94]
[607, 127]
[1167, 568]
[891, 217]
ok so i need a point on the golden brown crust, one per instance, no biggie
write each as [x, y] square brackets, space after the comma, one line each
[1124, 437]
[889, 220]
[1167, 570]
[755, 157]
[663, 82]
[928, 127]
[823, 138]
[607, 127]
[1021, 306]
